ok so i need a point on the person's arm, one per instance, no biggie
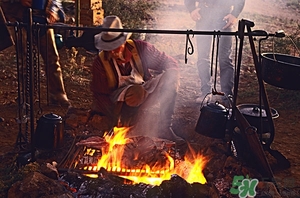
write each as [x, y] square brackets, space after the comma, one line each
[100, 89]
[193, 9]
[154, 59]
[231, 18]
[238, 6]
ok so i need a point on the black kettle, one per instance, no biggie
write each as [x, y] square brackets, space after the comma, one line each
[49, 132]
[212, 120]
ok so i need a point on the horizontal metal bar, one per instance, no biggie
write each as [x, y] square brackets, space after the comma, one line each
[160, 31]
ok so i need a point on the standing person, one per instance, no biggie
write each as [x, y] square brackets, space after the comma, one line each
[212, 15]
[122, 84]
[43, 12]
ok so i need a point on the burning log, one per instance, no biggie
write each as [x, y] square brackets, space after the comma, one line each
[109, 185]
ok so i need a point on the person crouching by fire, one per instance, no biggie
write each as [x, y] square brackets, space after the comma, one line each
[123, 87]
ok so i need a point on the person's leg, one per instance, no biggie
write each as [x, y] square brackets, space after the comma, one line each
[226, 65]
[203, 63]
[50, 56]
[166, 94]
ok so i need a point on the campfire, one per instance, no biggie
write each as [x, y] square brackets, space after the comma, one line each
[139, 159]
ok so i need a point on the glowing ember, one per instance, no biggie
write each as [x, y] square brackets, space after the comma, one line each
[112, 160]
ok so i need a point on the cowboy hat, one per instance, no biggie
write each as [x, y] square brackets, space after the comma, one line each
[108, 41]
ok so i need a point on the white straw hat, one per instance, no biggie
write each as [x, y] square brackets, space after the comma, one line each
[108, 41]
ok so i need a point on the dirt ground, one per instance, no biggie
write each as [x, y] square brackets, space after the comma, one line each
[76, 65]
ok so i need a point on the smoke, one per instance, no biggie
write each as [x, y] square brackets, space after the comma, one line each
[173, 15]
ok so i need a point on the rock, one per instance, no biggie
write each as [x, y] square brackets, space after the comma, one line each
[267, 189]
[72, 121]
[178, 187]
[50, 170]
[76, 117]
[38, 185]
[100, 122]
[232, 164]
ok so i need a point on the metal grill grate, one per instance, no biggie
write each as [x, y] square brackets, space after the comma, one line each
[84, 160]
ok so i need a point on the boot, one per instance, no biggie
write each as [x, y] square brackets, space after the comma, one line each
[48, 50]
[168, 134]
[57, 93]
[59, 100]
[165, 130]
[167, 97]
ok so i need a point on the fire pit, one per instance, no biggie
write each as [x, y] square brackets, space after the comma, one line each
[138, 159]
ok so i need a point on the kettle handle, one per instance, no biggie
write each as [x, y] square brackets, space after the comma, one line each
[202, 103]
[216, 93]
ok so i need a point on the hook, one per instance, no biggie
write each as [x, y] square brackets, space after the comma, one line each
[189, 49]
[217, 59]
[212, 53]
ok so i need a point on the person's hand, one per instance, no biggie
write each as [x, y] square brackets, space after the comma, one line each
[26, 3]
[230, 21]
[195, 14]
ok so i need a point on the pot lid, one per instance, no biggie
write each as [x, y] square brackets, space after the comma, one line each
[254, 110]
[51, 116]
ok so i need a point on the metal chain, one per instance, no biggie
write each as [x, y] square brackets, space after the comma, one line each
[34, 64]
[27, 88]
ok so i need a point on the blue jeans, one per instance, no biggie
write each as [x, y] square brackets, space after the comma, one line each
[204, 48]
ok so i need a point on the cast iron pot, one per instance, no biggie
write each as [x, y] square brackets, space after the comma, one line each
[49, 132]
[259, 120]
[281, 70]
[212, 120]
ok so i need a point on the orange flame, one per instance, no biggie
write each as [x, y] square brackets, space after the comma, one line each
[190, 168]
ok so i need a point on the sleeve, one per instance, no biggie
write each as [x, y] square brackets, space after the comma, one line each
[154, 59]
[238, 6]
[190, 5]
[55, 6]
[100, 89]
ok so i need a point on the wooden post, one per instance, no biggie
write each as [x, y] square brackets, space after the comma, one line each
[91, 12]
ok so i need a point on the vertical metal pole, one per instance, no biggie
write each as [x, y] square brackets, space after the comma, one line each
[77, 15]
[262, 90]
[31, 82]
[241, 35]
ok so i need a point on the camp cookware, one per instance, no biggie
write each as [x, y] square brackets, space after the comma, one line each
[49, 132]
[257, 117]
[212, 120]
[281, 70]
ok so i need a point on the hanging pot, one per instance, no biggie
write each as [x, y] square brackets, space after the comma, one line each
[212, 120]
[281, 70]
[49, 132]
